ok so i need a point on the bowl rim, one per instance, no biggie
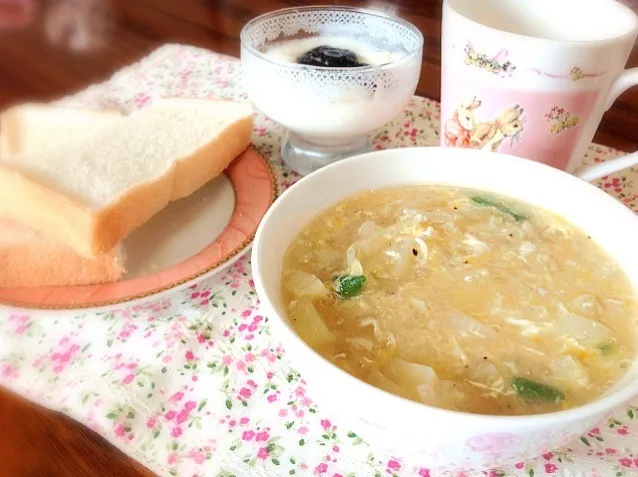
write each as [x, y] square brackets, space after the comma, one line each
[245, 44]
[599, 406]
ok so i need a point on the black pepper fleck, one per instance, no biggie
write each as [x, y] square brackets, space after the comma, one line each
[414, 252]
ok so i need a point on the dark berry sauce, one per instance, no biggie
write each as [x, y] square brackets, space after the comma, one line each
[330, 57]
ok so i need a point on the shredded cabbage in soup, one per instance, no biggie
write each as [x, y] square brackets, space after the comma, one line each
[462, 300]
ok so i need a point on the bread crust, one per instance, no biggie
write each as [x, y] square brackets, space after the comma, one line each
[9, 132]
[31, 203]
[42, 262]
[94, 232]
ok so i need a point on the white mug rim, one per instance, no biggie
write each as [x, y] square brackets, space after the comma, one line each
[449, 4]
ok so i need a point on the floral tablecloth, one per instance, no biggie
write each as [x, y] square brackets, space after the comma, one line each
[196, 385]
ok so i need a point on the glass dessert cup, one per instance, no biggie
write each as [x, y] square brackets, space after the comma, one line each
[329, 111]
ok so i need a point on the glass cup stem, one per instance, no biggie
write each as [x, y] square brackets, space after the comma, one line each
[308, 154]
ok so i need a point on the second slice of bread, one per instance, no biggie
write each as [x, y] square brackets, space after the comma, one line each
[31, 259]
[91, 193]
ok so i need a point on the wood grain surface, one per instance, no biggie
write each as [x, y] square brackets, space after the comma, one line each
[55, 47]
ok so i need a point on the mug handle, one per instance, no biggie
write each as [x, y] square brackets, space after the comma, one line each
[626, 80]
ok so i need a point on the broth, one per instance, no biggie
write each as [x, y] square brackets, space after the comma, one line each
[462, 300]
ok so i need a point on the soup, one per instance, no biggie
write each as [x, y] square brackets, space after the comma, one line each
[462, 300]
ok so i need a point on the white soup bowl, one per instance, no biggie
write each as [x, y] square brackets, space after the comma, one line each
[440, 438]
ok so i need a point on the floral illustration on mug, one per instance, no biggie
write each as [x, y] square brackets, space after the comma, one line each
[463, 129]
[575, 74]
[560, 120]
[493, 65]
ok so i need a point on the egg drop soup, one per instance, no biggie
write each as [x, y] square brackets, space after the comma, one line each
[462, 300]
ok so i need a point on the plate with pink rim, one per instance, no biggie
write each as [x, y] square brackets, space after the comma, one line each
[189, 240]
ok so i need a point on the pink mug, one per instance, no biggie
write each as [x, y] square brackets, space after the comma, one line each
[533, 78]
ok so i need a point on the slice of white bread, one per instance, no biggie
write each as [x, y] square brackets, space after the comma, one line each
[31, 259]
[34, 127]
[92, 192]
[27, 257]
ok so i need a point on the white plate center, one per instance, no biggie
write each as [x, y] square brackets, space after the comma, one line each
[181, 230]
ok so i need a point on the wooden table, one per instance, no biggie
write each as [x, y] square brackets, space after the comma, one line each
[42, 59]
